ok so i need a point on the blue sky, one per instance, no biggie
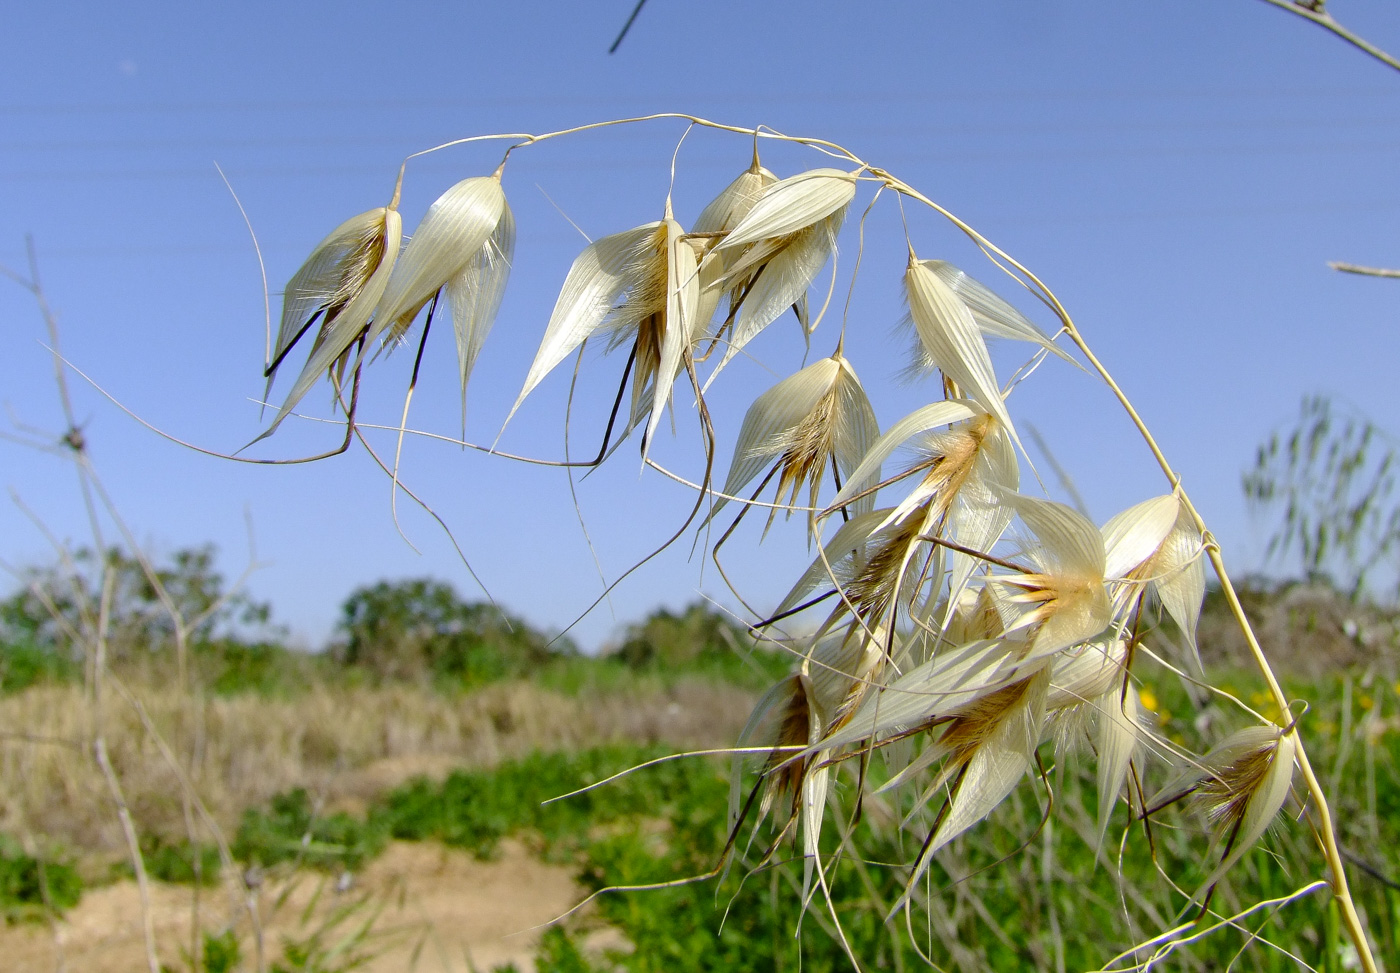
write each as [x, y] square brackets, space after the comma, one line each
[1179, 174]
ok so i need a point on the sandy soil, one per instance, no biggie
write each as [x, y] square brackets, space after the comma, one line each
[438, 911]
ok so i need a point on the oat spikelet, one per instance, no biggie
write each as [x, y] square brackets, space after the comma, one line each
[778, 248]
[1063, 602]
[641, 285]
[719, 217]
[815, 420]
[1241, 785]
[340, 284]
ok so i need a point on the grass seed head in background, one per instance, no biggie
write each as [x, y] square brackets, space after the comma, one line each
[940, 658]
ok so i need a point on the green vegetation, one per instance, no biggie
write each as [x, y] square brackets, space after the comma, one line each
[292, 830]
[475, 809]
[415, 631]
[179, 861]
[31, 887]
[667, 822]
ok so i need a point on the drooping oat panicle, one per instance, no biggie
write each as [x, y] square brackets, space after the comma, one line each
[341, 283]
[1064, 601]
[642, 286]
[775, 252]
[950, 338]
[818, 418]
[996, 317]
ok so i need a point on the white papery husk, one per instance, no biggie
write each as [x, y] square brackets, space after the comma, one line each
[951, 339]
[780, 423]
[1242, 784]
[1177, 575]
[1065, 601]
[344, 278]
[996, 317]
[777, 249]
[1156, 545]
[476, 292]
[720, 216]
[1088, 685]
[985, 769]
[798, 711]
[458, 227]
[962, 505]
[654, 268]
[1117, 737]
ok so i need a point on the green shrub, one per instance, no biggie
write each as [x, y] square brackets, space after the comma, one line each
[25, 662]
[31, 886]
[291, 830]
[420, 630]
[221, 953]
[176, 862]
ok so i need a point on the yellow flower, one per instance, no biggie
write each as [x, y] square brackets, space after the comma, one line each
[1148, 698]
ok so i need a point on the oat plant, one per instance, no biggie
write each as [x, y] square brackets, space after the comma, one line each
[956, 636]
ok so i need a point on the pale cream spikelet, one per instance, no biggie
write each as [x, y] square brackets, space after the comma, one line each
[463, 247]
[718, 218]
[986, 749]
[783, 242]
[1156, 546]
[994, 316]
[959, 473]
[340, 284]
[642, 286]
[1064, 601]
[816, 419]
[1241, 785]
[880, 563]
[950, 337]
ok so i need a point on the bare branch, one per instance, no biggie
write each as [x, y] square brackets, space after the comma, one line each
[1316, 11]
[1363, 271]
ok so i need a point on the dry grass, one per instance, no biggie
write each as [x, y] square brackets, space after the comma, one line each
[438, 904]
[343, 745]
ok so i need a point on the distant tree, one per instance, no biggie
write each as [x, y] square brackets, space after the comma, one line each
[54, 603]
[697, 633]
[420, 629]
